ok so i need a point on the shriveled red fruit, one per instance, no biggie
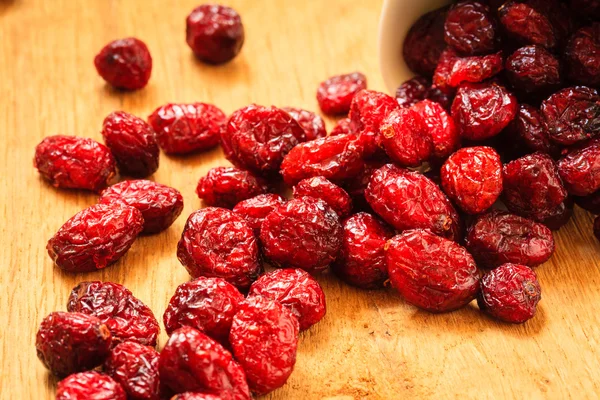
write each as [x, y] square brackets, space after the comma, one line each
[510, 293]
[335, 94]
[196, 396]
[431, 272]
[295, 289]
[72, 342]
[526, 23]
[481, 111]
[406, 138]
[582, 55]
[89, 385]
[321, 188]
[216, 242]
[356, 186]
[206, 304]
[95, 237]
[408, 200]
[313, 124]
[424, 42]
[132, 142]
[556, 217]
[470, 28]
[596, 228]
[412, 91]
[74, 163]
[302, 233]
[135, 368]
[215, 33]
[343, 127]
[127, 318]
[572, 114]
[256, 209]
[529, 130]
[440, 127]
[590, 203]
[452, 69]
[580, 169]
[257, 138]
[125, 63]
[264, 339]
[187, 128]
[533, 69]
[361, 261]
[334, 157]
[498, 237]
[227, 186]
[193, 362]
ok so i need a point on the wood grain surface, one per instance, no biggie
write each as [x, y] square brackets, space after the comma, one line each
[370, 345]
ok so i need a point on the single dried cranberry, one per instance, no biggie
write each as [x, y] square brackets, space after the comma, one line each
[343, 127]
[529, 130]
[472, 178]
[596, 228]
[582, 55]
[125, 64]
[302, 233]
[452, 69]
[74, 163]
[264, 338]
[527, 24]
[412, 91]
[135, 367]
[227, 186]
[206, 304]
[187, 128]
[424, 42]
[216, 242]
[321, 188]
[498, 237]
[214, 33]
[408, 200]
[510, 293]
[361, 261]
[127, 318]
[470, 28]
[193, 362]
[580, 169]
[197, 396]
[590, 203]
[71, 342]
[440, 127]
[335, 94]
[313, 124]
[533, 69]
[89, 385]
[95, 238]
[256, 209]
[431, 272]
[406, 138]
[481, 111]
[257, 138]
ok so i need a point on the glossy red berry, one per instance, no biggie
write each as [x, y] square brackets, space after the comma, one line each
[526, 23]
[89, 385]
[440, 127]
[529, 130]
[135, 368]
[343, 127]
[452, 69]
[227, 186]
[412, 91]
[321, 188]
[335, 94]
[470, 28]
[533, 69]
[256, 209]
[582, 55]
[125, 64]
[313, 124]
[424, 42]
[406, 138]
[580, 169]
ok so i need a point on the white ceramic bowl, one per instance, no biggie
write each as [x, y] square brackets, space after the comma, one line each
[397, 16]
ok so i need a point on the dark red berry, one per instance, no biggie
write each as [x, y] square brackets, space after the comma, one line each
[452, 69]
[470, 28]
[590, 203]
[227, 186]
[321, 188]
[335, 94]
[135, 368]
[580, 169]
[424, 42]
[412, 91]
[440, 127]
[343, 127]
[533, 69]
[125, 64]
[356, 186]
[313, 124]
[406, 138]
[529, 130]
[527, 24]
[256, 209]
[89, 386]
[582, 55]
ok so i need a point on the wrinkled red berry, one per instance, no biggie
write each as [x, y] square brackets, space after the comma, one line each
[431, 272]
[356, 186]
[470, 28]
[556, 217]
[335, 94]
[590, 203]
[302, 233]
[343, 127]
[313, 124]
[264, 339]
[125, 64]
[533, 69]
[412, 91]
[216, 242]
[214, 33]
[452, 69]
[95, 237]
[529, 130]
[135, 367]
[71, 342]
[187, 128]
[582, 55]
[74, 163]
[197, 396]
[527, 24]
[580, 169]
[256, 209]
[321, 188]
[406, 138]
[89, 386]
[510, 293]
[227, 186]
[424, 42]
[440, 127]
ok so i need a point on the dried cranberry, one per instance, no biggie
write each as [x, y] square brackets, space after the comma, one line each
[135, 367]
[197, 396]
[533, 69]
[214, 33]
[440, 127]
[527, 24]
[424, 42]
[89, 385]
[335, 94]
[187, 128]
[582, 56]
[227, 186]
[313, 124]
[470, 28]
[452, 69]
[71, 342]
[498, 237]
[216, 242]
[556, 217]
[343, 127]
[406, 138]
[193, 362]
[125, 63]
[256, 209]
[528, 130]
[95, 238]
[590, 203]
[510, 293]
[412, 91]
[74, 163]
[264, 338]
[580, 169]
[356, 186]
[321, 188]
[431, 272]
[408, 200]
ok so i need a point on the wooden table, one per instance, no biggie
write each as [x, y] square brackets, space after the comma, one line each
[371, 344]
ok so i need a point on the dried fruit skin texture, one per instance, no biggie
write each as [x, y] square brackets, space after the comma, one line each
[582, 56]
[412, 91]
[321, 188]
[227, 186]
[470, 28]
[302, 233]
[510, 293]
[533, 69]
[74, 163]
[264, 338]
[89, 386]
[214, 33]
[526, 24]
[424, 42]
[556, 217]
[580, 169]
[127, 318]
[528, 128]
[72, 342]
[216, 242]
[256, 209]
[361, 261]
[125, 64]
[440, 127]
[431, 272]
[343, 127]
[313, 124]
[406, 138]
[335, 94]
[295, 289]
[452, 69]
[95, 237]
[135, 367]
